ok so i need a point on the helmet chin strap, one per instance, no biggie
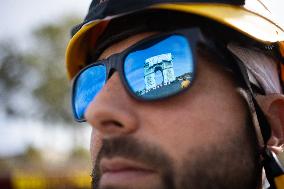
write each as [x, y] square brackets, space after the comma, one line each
[248, 98]
[273, 169]
[281, 65]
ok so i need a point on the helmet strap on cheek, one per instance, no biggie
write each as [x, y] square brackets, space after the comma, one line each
[273, 169]
[281, 62]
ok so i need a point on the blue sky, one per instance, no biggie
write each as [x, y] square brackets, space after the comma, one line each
[88, 87]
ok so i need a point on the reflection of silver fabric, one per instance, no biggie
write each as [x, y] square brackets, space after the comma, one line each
[260, 66]
[163, 63]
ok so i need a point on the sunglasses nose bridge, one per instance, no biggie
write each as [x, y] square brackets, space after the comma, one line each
[113, 64]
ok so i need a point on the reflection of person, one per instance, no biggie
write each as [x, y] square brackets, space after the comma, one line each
[185, 83]
[221, 133]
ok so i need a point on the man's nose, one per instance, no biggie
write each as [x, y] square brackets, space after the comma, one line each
[112, 112]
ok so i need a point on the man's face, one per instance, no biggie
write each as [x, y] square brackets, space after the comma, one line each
[201, 138]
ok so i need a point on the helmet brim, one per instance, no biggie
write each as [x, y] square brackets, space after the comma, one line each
[238, 18]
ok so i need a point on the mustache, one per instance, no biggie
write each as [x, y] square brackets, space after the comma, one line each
[130, 148]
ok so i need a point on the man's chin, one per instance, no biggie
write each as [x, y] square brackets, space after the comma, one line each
[130, 179]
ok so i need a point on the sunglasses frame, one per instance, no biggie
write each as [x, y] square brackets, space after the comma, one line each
[116, 61]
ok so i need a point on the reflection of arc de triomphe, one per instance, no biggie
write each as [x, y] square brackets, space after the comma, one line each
[163, 63]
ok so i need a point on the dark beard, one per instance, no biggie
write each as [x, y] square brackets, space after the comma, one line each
[234, 165]
[130, 148]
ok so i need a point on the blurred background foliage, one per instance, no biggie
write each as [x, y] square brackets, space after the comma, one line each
[34, 86]
[38, 74]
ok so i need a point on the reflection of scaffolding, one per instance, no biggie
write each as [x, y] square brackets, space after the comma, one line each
[162, 62]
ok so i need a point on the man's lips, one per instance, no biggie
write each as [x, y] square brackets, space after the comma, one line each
[117, 171]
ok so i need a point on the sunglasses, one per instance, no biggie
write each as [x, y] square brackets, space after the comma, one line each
[155, 68]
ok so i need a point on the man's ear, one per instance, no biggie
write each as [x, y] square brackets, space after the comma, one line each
[273, 107]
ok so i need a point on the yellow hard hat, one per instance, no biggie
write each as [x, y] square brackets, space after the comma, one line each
[250, 17]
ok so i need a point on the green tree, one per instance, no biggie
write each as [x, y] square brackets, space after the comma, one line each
[13, 71]
[33, 82]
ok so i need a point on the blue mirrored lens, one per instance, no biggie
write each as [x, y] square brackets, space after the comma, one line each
[161, 70]
[86, 87]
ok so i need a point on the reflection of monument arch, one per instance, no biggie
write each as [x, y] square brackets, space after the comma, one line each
[162, 62]
[156, 71]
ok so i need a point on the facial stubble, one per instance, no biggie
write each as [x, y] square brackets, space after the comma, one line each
[233, 165]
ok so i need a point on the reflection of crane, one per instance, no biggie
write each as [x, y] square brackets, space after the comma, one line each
[185, 83]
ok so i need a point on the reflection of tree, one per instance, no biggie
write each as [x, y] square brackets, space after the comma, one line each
[187, 76]
[33, 81]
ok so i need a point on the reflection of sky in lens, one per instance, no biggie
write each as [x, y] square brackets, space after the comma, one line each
[87, 86]
[159, 77]
[176, 45]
